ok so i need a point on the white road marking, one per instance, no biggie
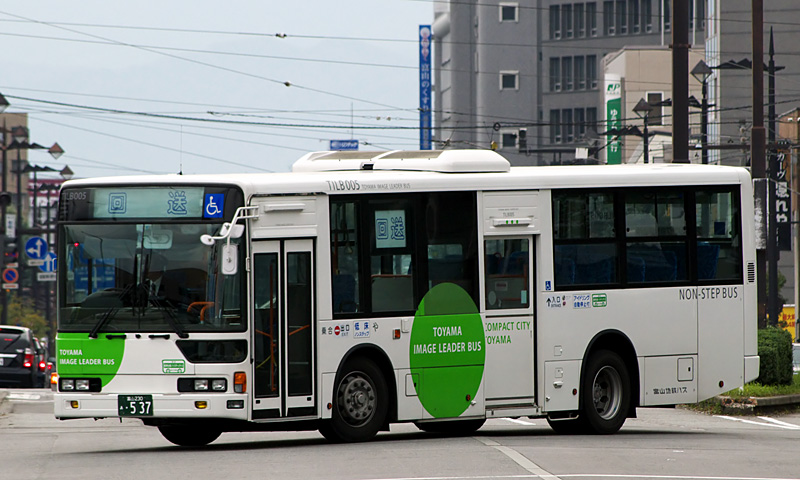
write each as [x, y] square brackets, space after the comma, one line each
[776, 424]
[518, 458]
[518, 421]
[23, 396]
[780, 422]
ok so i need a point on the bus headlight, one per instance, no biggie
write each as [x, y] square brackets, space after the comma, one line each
[201, 385]
[219, 385]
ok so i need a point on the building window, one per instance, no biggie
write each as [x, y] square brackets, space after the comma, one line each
[591, 71]
[656, 115]
[633, 8]
[509, 12]
[621, 15]
[580, 73]
[555, 74]
[509, 140]
[555, 22]
[566, 73]
[667, 14]
[580, 123]
[647, 15]
[569, 127]
[509, 80]
[580, 21]
[555, 126]
[591, 119]
[608, 18]
[566, 19]
[591, 19]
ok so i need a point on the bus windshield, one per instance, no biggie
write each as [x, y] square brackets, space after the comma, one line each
[146, 277]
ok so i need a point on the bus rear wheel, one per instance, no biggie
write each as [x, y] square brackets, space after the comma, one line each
[606, 393]
[360, 403]
[186, 436]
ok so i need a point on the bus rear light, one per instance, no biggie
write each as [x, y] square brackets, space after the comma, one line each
[240, 382]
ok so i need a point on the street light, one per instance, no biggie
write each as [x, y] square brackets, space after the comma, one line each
[643, 109]
[701, 72]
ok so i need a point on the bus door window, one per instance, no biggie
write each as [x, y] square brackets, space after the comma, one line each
[267, 325]
[299, 300]
[507, 273]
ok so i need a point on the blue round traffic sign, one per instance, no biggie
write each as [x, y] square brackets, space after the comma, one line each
[36, 248]
[49, 264]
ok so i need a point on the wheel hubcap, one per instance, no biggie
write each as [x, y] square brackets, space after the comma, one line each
[356, 399]
[607, 392]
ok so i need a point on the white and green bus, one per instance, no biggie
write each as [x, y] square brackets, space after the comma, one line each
[438, 287]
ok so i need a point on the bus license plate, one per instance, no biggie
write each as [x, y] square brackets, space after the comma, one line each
[135, 405]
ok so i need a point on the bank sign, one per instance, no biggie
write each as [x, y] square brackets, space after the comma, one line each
[613, 102]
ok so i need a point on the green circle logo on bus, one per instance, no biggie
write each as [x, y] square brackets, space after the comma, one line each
[448, 350]
[80, 355]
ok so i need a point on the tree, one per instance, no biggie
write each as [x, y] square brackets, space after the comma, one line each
[23, 314]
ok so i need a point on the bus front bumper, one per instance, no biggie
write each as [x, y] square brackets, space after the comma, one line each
[195, 406]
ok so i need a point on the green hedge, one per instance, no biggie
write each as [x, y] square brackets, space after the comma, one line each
[775, 351]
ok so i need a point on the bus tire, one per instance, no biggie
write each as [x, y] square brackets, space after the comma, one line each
[456, 428]
[360, 403]
[606, 393]
[189, 436]
[573, 426]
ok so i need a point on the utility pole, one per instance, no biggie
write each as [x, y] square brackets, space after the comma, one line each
[773, 253]
[680, 81]
[758, 147]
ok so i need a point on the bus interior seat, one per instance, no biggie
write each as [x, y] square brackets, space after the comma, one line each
[636, 269]
[599, 272]
[707, 259]
[344, 293]
[565, 270]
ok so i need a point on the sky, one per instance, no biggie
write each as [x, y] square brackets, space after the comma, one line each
[199, 86]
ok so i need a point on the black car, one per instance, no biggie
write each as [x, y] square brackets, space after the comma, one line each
[19, 360]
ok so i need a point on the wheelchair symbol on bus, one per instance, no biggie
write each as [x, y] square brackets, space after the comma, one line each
[214, 205]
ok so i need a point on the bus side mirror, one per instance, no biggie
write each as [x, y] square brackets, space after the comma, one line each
[228, 263]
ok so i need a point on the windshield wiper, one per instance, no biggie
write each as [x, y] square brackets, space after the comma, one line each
[107, 315]
[171, 319]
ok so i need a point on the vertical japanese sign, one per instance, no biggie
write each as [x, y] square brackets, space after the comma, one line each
[425, 38]
[783, 201]
[613, 101]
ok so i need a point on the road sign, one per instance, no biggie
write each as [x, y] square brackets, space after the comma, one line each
[36, 248]
[10, 275]
[46, 277]
[49, 263]
[344, 145]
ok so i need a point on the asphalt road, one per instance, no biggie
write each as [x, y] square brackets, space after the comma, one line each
[660, 444]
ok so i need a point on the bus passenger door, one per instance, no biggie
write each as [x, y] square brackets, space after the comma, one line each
[509, 325]
[283, 333]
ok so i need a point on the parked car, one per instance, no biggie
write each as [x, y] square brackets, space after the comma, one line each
[19, 360]
[41, 364]
[796, 357]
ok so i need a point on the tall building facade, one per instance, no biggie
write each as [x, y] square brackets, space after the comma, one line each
[526, 76]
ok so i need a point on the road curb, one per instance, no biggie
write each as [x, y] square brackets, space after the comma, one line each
[751, 404]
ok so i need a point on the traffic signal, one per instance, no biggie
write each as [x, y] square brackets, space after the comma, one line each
[10, 251]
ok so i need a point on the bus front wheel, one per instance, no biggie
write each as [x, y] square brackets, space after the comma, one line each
[186, 436]
[360, 403]
[606, 393]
